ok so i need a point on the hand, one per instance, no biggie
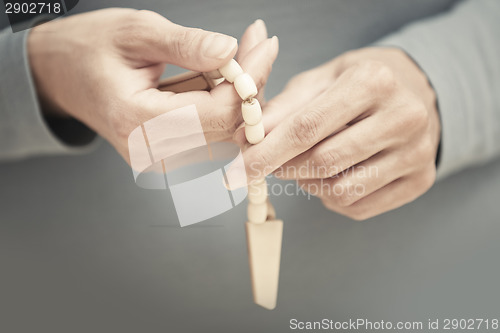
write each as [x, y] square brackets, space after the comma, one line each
[361, 132]
[103, 68]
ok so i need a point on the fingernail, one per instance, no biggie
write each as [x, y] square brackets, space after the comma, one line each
[259, 23]
[274, 42]
[218, 46]
[260, 29]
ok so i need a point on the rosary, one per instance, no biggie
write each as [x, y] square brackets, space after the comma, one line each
[264, 231]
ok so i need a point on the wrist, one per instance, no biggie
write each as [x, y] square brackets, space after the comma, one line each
[39, 54]
[421, 86]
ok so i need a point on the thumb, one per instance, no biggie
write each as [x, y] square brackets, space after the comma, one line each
[190, 48]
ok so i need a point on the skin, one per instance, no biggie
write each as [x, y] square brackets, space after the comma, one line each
[361, 132]
[369, 109]
[103, 68]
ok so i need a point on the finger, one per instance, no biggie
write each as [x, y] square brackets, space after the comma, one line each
[341, 151]
[220, 109]
[258, 63]
[346, 100]
[289, 101]
[160, 40]
[299, 91]
[270, 116]
[253, 35]
[359, 181]
[389, 197]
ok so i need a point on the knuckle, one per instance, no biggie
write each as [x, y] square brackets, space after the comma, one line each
[326, 161]
[412, 119]
[408, 160]
[134, 28]
[185, 42]
[228, 121]
[227, 126]
[145, 15]
[417, 116]
[377, 77]
[224, 119]
[426, 150]
[305, 129]
[141, 18]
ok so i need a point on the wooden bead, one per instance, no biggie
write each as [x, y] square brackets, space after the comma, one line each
[257, 213]
[255, 133]
[257, 192]
[251, 111]
[231, 70]
[245, 86]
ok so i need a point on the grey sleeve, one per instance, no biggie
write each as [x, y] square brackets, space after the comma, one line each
[23, 129]
[460, 53]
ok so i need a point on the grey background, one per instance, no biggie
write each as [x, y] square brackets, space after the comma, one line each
[83, 249]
